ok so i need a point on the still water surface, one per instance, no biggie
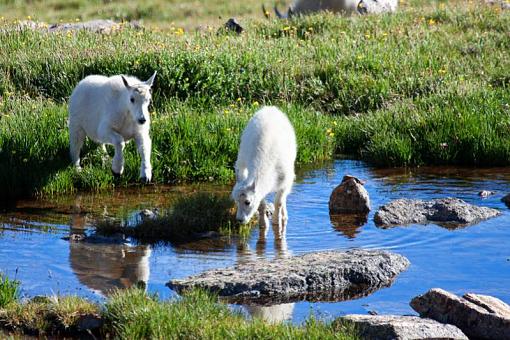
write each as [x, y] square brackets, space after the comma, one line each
[471, 259]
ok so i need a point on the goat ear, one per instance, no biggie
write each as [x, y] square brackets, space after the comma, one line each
[251, 187]
[150, 81]
[124, 80]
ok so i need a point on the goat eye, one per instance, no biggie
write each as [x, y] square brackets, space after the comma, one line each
[247, 202]
[132, 99]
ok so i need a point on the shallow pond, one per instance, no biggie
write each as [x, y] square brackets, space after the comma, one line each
[471, 259]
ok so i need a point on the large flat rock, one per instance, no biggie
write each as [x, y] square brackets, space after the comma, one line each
[390, 327]
[446, 211]
[324, 276]
[478, 316]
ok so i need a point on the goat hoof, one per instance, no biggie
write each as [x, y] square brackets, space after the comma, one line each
[115, 174]
[145, 180]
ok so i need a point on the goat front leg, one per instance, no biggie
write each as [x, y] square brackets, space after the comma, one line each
[118, 159]
[280, 211]
[144, 145]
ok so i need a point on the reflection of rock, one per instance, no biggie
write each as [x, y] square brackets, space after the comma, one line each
[478, 316]
[389, 327]
[349, 197]
[451, 211]
[103, 266]
[330, 275]
[271, 314]
[348, 224]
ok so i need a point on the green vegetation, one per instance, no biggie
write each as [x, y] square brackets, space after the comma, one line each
[427, 85]
[9, 290]
[188, 217]
[133, 314]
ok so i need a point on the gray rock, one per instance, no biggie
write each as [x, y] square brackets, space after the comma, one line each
[478, 316]
[330, 276]
[389, 327]
[97, 26]
[447, 211]
[349, 197]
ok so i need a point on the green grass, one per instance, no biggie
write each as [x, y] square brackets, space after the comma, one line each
[427, 85]
[188, 217]
[9, 290]
[133, 314]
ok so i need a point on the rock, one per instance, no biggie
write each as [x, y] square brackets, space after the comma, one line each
[485, 193]
[330, 276]
[478, 316]
[506, 200]
[97, 26]
[233, 26]
[147, 214]
[449, 211]
[349, 197]
[89, 322]
[382, 327]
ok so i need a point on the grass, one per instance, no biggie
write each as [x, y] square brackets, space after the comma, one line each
[188, 217]
[9, 290]
[427, 85]
[134, 314]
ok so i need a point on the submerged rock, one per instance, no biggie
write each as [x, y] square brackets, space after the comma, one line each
[486, 193]
[478, 316]
[389, 327]
[330, 276]
[450, 211]
[506, 200]
[349, 197]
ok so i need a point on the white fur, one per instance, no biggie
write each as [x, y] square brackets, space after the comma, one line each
[265, 164]
[348, 7]
[101, 108]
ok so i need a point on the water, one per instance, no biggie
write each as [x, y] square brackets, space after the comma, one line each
[470, 259]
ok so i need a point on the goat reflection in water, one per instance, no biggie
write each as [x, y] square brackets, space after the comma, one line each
[104, 265]
[270, 313]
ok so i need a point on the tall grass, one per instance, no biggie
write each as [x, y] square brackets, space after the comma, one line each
[9, 290]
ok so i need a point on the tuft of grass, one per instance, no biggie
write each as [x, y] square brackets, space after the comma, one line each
[48, 315]
[188, 218]
[9, 290]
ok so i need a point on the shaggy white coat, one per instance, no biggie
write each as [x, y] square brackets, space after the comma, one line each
[112, 111]
[265, 164]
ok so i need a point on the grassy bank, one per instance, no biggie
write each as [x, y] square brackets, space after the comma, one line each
[133, 314]
[427, 85]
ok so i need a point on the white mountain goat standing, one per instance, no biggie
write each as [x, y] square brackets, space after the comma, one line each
[265, 164]
[113, 111]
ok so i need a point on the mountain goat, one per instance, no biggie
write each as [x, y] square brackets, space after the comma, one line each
[113, 111]
[347, 7]
[265, 164]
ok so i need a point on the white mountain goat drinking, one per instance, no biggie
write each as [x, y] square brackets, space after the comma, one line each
[265, 164]
[113, 111]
